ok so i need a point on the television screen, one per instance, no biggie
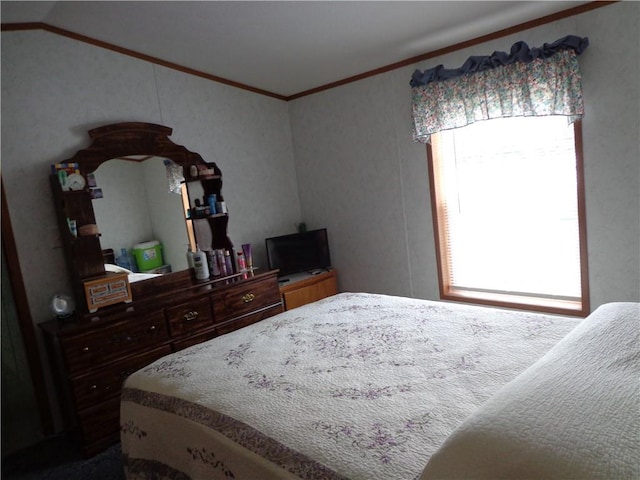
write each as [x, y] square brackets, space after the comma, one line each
[298, 252]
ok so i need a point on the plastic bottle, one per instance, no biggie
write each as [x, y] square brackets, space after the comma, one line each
[242, 265]
[190, 257]
[123, 260]
[227, 262]
[214, 270]
[200, 264]
[221, 263]
[211, 199]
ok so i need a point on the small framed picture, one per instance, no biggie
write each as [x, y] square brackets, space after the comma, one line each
[96, 193]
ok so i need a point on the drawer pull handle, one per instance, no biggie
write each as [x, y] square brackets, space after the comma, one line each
[152, 328]
[189, 316]
[93, 387]
[248, 297]
[85, 349]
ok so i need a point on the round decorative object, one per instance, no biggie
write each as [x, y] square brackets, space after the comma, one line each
[62, 305]
[75, 181]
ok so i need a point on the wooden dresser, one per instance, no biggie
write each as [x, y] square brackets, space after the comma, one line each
[303, 288]
[94, 354]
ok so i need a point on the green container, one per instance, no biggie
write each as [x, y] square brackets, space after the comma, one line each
[148, 255]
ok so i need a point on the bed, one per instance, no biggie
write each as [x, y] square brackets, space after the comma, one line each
[365, 386]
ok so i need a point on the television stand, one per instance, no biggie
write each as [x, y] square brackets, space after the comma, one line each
[301, 288]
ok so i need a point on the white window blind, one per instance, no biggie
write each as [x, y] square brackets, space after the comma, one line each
[508, 207]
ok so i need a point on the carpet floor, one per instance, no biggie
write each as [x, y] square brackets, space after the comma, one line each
[58, 459]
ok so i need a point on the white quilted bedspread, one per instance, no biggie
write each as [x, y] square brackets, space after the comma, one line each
[575, 414]
[357, 386]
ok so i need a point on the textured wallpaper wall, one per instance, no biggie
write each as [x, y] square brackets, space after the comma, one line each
[374, 195]
[55, 89]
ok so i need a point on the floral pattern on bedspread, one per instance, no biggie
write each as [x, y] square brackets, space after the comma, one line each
[210, 458]
[239, 432]
[140, 469]
[380, 442]
[366, 386]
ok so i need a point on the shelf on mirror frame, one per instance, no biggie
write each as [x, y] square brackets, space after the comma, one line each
[204, 177]
[215, 215]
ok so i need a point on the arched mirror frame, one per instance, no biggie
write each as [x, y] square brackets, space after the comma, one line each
[132, 139]
[135, 141]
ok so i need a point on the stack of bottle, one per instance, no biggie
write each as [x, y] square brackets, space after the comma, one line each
[220, 262]
[216, 263]
[206, 207]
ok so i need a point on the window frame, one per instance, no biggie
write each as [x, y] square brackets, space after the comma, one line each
[524, 302]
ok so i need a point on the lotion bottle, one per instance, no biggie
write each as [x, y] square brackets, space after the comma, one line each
[190, 257]
[242, 264]
[200, 264]
[228, 262]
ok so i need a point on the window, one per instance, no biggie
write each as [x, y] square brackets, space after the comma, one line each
[508, 209]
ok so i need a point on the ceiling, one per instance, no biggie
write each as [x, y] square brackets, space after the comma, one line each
[284, 48]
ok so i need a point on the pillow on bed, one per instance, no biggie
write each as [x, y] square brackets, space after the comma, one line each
[109, 267]
[574, 414]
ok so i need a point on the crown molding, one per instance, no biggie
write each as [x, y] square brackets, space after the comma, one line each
[8, 27]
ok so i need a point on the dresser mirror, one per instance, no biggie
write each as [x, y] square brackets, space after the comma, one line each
[131, 165]
[137, 205]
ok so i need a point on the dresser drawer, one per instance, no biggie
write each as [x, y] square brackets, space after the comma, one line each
[110, 342]
[236, 323]
[101, 424]
[189, 318]
[187, 342]
[102, 384]
[245, 298]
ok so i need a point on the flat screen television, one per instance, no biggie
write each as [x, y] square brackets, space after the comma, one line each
[298, 252]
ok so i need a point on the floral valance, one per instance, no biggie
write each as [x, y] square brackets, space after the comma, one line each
[526, 82]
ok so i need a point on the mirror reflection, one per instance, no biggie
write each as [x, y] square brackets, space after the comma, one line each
[137, 207]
